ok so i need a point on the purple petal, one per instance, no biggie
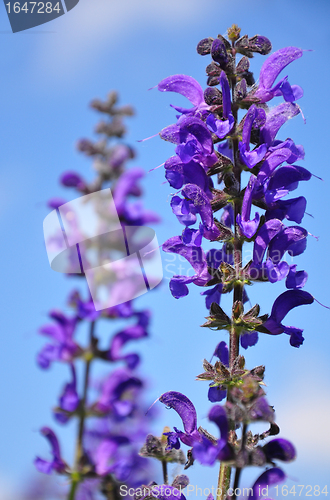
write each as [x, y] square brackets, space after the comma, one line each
[283, 304]
[184, 408]
[249, 339]
[275, 63]
[226, 101]
[267, 478]
[221, 351]
[127, 185]
[289, 239]
[273, 160]
[184, 85]
[280, 449]
[248, 227]
[296, 279]
[201, 203]
[178, 285]
[215, 394]
[293, 209]
[212, 295]
[69, 399]
[218, 415]
[219, 52]
[72, 179]
[266, 233]
[276, 117]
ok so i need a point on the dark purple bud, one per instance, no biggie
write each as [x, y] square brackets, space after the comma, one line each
[180, 482]
[212, 81]
[249, 78]
[71, 179]
[243, 65]
[240, 90]
[260, 44]
[218, 52]
[280, 449]
[213, 69]
[86, 146]
[204, 46]
[242, 46]
[212, 96]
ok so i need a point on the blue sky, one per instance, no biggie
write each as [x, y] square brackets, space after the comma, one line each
[49, 75]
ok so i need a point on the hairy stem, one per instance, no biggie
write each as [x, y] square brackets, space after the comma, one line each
[223, 481]
[239, 470]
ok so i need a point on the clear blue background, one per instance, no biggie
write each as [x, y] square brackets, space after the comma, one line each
[48, 76]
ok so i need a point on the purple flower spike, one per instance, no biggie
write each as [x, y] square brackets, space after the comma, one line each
[268, 478]
[280, 449]
[270, 70]
[248, 227]
[57, 464]
[186, 410]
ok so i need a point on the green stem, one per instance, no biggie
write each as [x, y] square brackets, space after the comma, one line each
[165, 472]
[72, 492]
[80, 449]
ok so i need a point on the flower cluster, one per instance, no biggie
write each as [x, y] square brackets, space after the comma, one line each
[111, 412]
[217, 148]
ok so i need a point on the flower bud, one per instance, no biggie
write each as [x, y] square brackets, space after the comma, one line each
[204, 46]
[213, 69]
[219, 52]
[212, 96]
[260, 44]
